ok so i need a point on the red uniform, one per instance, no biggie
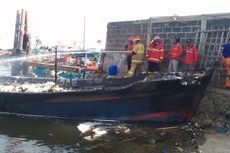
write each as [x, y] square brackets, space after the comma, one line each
[175, 51]
[191, 56]
[155, 53]
[130, 48]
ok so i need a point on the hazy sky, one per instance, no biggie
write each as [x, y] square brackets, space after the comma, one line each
[62, 20]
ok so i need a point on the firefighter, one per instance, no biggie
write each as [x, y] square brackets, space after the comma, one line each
[191, 55]
[154, 55]
[138, 56]
[225, 54]
[174, 55]
[129, 48]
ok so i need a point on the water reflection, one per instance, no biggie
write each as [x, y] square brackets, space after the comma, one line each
[20, 134]
[38, 135]
[34, 135]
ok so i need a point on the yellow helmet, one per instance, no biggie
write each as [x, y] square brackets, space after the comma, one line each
[136, 38]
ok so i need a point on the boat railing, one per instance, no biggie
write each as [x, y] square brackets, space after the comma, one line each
[69, 61]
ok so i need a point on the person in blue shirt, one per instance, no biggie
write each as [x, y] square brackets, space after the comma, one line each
[225, 55]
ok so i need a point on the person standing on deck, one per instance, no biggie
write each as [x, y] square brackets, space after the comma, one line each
[174, 55]
[225, 54]
[154, 55]
[138, 56]
[129, 48]
[191, 56]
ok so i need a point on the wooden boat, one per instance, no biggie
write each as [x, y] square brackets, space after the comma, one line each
[5, 53]
[164, 97]
[74, 62]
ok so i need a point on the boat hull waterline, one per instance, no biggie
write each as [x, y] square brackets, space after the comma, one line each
[141, 99]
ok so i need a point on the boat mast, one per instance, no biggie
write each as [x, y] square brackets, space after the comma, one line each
[85, 59]
[55, 65]
[84, 34]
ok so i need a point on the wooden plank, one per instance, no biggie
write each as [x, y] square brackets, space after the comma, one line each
[203, 48]
[216, 30]
[63, 67]
[208, 49]
[51, 66]
[203, 38]
[219, 48]
[167, 128]
[213, 50]
[207, 43]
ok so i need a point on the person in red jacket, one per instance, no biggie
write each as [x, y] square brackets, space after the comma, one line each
[154, 55]
[191, 56]
[129, 48]
[174, 55]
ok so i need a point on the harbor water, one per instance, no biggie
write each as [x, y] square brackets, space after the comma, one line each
[35, 135]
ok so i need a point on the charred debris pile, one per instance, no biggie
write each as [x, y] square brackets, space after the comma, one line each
[214, 111]
[36, 85]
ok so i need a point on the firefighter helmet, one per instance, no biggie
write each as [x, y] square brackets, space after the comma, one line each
[131, 38]
[156, 38]
[136, 38]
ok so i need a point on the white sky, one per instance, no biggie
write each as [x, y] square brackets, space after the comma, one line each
[62, 20]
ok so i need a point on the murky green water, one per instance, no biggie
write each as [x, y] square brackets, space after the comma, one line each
[37, 136]
[33, 135]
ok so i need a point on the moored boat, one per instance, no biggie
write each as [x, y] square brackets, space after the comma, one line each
[164, 97]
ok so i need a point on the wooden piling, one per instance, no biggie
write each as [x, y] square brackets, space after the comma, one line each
[21, 28]
[22, 24]
[26, 22]
[28, 49]
[55, 66]
[149, 31]
[16, 33]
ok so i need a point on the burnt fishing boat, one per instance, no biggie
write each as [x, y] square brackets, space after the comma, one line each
[164, 97]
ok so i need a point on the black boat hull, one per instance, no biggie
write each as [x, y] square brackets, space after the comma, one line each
[155, 101]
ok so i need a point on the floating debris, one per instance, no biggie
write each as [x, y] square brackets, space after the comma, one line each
[152, 141]
[90, 131]
[32, 87]
[93, 130]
